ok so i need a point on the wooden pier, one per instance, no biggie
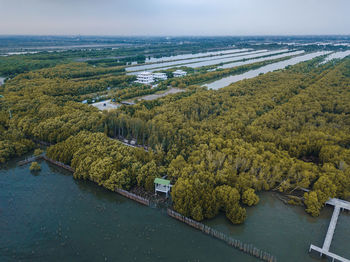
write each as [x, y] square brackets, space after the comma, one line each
[338, 206]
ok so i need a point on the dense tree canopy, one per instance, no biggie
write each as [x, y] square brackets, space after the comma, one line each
[283, 130]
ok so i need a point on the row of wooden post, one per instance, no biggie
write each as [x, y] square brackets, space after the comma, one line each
[247, 248]
[60, 164]
[132, 196]
[122, 192]
[35, 158]
[29, 160]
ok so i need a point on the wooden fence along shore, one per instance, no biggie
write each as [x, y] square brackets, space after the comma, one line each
[122, 192]
[69, 168]
[35, 158]
[132, 196]
[247, 248]
[29, 160]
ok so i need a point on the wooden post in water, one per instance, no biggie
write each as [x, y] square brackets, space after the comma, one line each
[245, 247]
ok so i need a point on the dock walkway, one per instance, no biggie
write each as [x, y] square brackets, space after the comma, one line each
[338, 206]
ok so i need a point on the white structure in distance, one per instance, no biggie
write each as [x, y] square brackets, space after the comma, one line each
[148, 78]
[160, 76]
[145, 78]
[179, 73]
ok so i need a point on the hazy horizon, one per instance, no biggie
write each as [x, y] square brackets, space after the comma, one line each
[175, 18]
[177, 36]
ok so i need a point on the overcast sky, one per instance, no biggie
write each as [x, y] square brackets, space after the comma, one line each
[175, 17]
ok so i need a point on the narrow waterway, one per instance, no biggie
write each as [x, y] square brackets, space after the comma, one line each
[226, 60]
[187, 62]
[49, 216]
[336, 55]
[256, 60]
[262, 70]
[189, 56]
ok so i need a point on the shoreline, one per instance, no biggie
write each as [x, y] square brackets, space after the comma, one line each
[143, 197]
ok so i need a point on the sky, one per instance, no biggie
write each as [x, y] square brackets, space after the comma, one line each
[175, 17]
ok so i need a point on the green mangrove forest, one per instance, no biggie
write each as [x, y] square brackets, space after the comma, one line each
[285, 130]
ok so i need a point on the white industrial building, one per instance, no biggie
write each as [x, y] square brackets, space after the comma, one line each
[179, 73]
[145, 78]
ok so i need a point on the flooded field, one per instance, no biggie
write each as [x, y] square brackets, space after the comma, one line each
[158, 66]
[225, 60]
[214, 60]
[251, 61]
[336, 55]
[197, 55]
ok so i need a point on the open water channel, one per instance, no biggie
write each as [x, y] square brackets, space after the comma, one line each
[49, 216]
[263, 70]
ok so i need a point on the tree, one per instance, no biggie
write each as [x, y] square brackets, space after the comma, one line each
[38, 152]
[236, 214]
[35, 166]
[249, 197]
[147, 175]
[176, 166]
[313, 205]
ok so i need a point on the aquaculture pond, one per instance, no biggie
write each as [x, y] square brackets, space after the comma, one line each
[187, 62]
[262, 70]
[337, 55]
[256, 60]
[189, 56]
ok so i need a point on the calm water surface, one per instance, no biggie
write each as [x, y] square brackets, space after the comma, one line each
[226, 60]
[336, 55]
[262, 70]
[188, 56]
[287, 231]
[49, 216]
[251, 61]
[165, 65]
[216, 60]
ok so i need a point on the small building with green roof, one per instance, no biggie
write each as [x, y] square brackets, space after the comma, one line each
[162, 185]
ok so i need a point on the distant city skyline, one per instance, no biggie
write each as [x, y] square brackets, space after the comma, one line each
[174, 17]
